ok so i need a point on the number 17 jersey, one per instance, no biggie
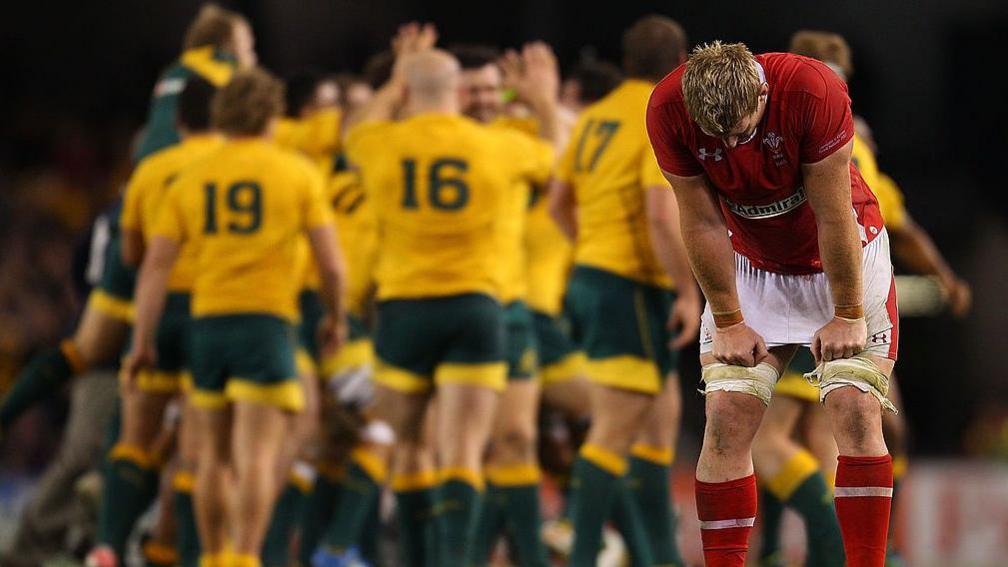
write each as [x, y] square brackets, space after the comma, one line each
[440, 186]
[244, 208]
[609, 165]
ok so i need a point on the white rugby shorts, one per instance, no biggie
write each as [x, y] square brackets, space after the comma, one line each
[788, 309]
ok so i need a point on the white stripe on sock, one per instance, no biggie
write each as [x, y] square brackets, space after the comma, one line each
[862, 491]
[725, 524]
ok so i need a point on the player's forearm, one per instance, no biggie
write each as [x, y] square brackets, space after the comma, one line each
[667, 242]
[561, 208]
[384, 105]
[915, 250]
[547, 112]
[149, 300]
[840, 250]
[712, 261]
[331, 268]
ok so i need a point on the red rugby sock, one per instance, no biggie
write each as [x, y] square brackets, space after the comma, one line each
[863, 498]
[727, 512]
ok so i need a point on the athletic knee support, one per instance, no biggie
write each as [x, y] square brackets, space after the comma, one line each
[860, 372]
[758, 380]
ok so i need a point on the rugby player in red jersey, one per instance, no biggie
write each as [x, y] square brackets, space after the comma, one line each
[787, 243]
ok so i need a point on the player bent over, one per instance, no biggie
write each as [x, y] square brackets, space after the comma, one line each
[243, 208]
[787, 243]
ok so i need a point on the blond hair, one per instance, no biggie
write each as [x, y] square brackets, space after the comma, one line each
[721, 86]
[213, 26]
[830, 48]
[247, 104]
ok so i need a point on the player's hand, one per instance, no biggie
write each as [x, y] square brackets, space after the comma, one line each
[414, 37]
[684, 319]
[332, 333]
[840, 338]
[960, 297]
[141, 356]
[533, 74]
[739, 345]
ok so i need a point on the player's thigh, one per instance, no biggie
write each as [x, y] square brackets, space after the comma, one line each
[403, 411]
[258, 433]
[517, 412]
[618, 416]
[662, 421]
[464, 422]
[212, 426]
[99, 337]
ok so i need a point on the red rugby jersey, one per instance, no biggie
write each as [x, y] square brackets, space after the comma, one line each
[759, 183]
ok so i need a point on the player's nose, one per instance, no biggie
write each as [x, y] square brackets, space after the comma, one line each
[731, 141]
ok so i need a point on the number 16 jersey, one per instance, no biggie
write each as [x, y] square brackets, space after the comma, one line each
[244, 207]
[440, 187]
[609, 165]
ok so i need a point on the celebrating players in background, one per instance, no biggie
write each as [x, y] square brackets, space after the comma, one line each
[243, 208]
[216, 43]
[612, 201]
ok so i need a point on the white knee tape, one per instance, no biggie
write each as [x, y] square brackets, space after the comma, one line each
[860, 372]
[758, 380]
[378, 432]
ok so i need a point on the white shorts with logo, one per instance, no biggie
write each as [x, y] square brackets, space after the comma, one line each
[788, 309]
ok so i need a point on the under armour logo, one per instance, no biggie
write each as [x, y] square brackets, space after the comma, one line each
[880, 337]
[704, 154]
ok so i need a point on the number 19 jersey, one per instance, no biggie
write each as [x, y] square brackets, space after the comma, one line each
[610, 166]
[244, 208]
[441, 187]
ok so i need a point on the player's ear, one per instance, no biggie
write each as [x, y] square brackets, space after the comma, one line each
[764, 90]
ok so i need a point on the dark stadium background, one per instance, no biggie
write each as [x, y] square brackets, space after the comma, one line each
[929, 79]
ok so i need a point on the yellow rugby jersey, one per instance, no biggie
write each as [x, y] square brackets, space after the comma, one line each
[147, 188]
[549, 255]
[609, 164]
[441, 187]
[317, 136]
[890, 200]
[513, 254]
[245, 208]
[355, 226]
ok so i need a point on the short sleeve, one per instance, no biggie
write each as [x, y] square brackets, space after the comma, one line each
[365, 139]
[664, 127]
[650, 173]
[316, 212]
[890, 199]
[824, 113]
[535, 156]
[170, 219]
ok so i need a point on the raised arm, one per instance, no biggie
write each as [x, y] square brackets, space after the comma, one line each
[705, 238]
[389, 98]
[535, 77]
[827, 183]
